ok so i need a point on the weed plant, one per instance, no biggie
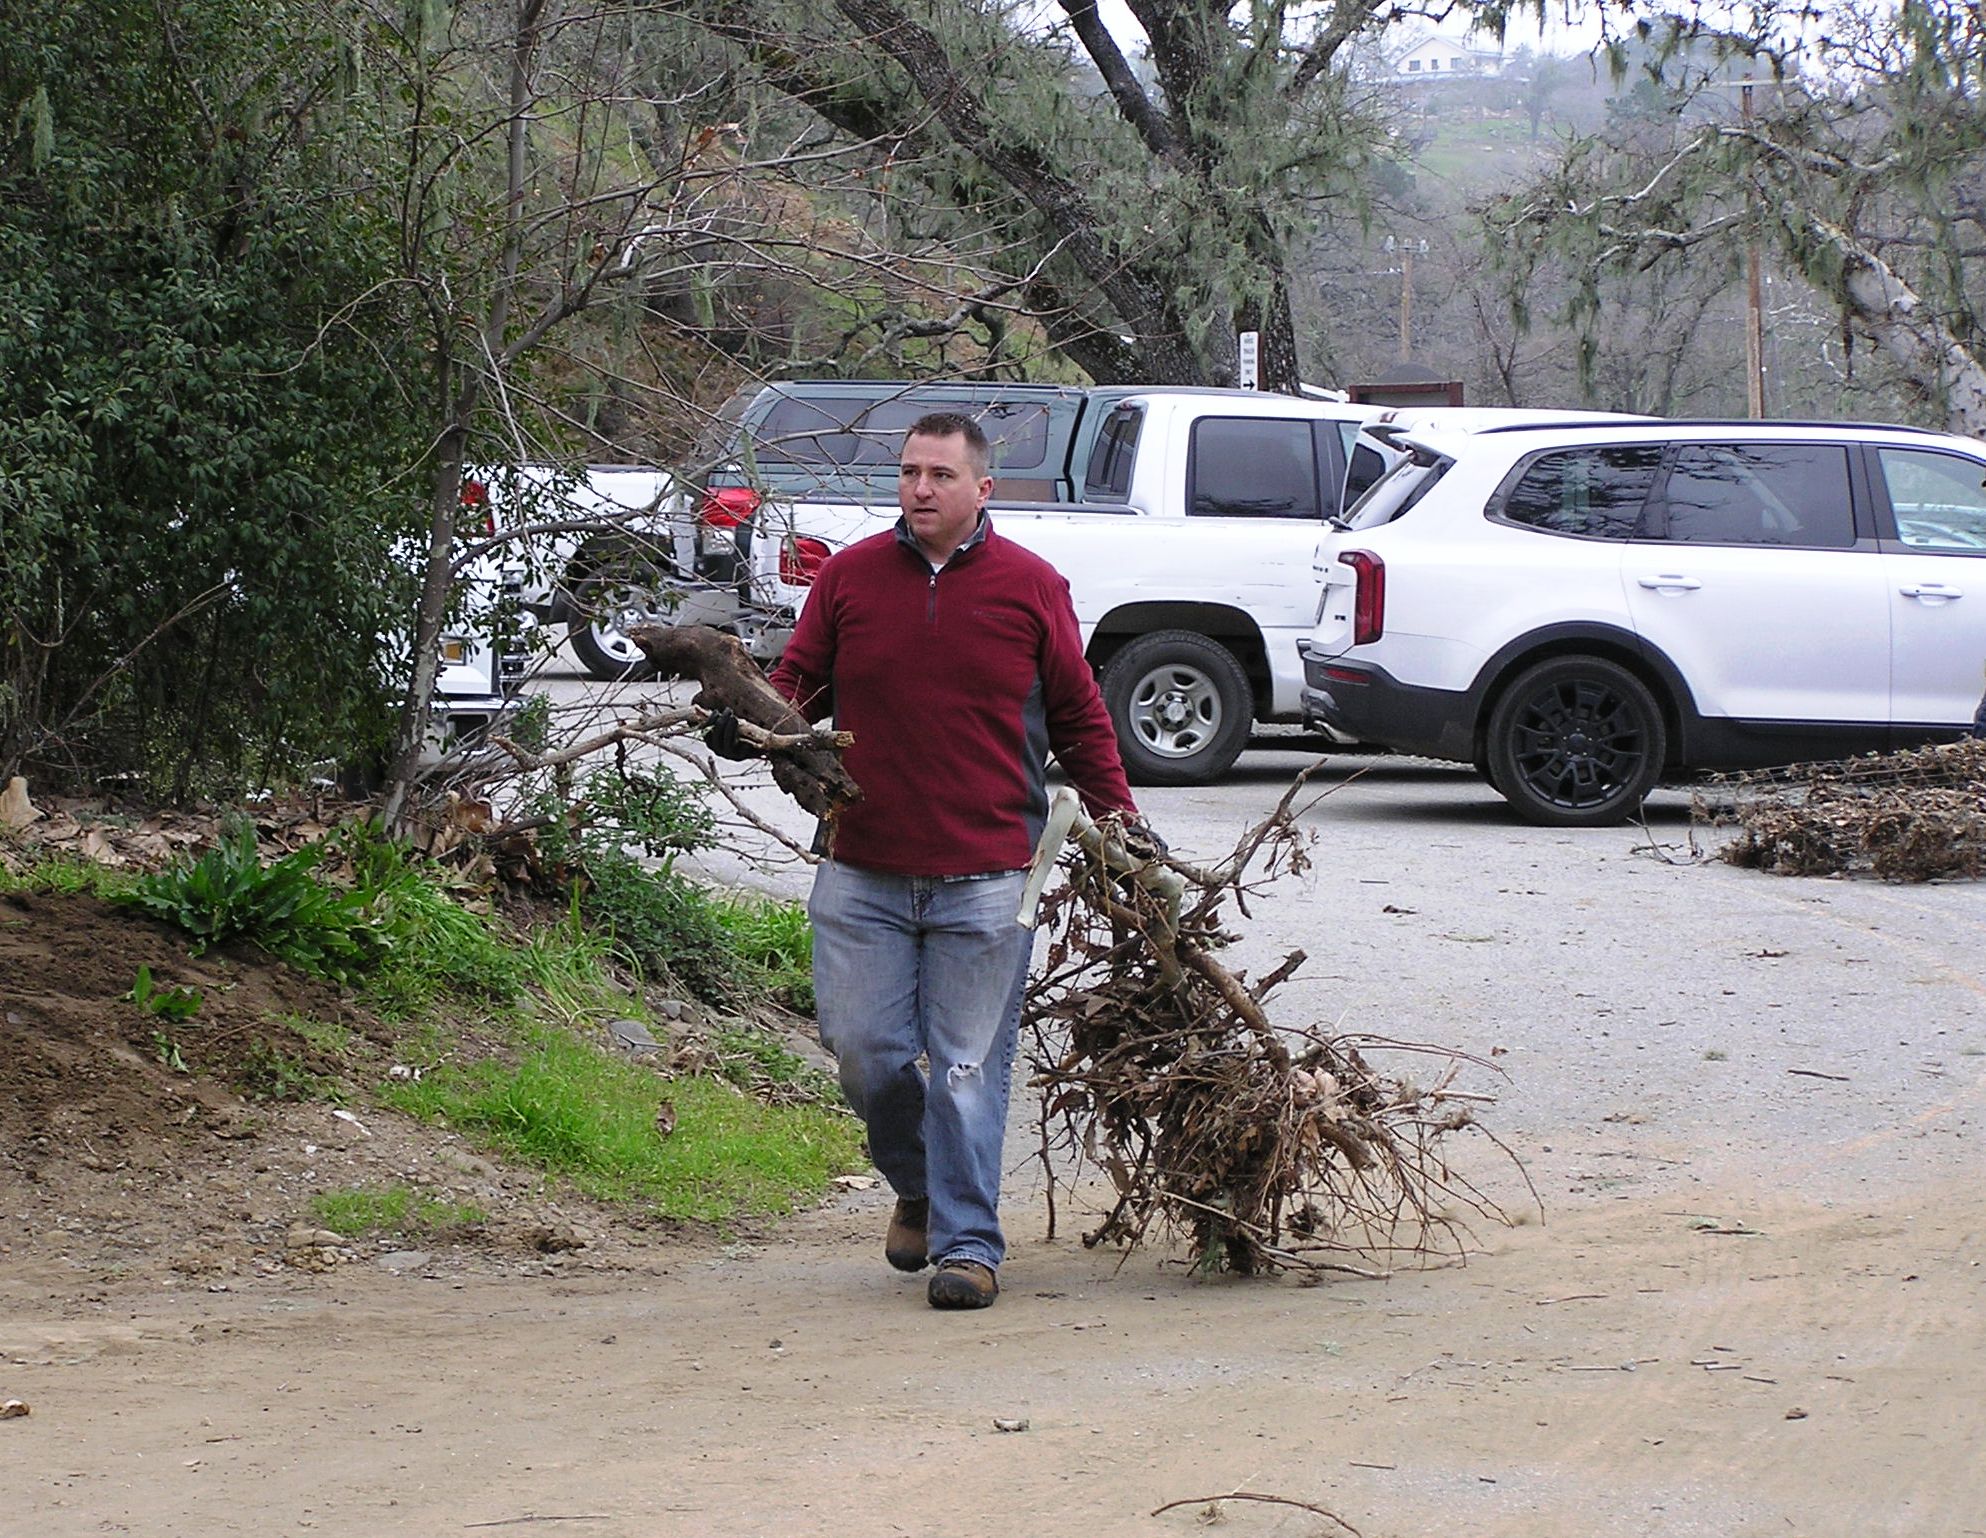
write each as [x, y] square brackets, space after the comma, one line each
[593, 1120]
[394, 1209]
[266, 1072]
[283, 906]
[171, 1003]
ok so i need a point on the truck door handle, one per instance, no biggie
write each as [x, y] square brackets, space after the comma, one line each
[1671, 584]
[1937, 592]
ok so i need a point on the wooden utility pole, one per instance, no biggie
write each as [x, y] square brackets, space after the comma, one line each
[1754, 309]
[1407, 250]
[1406, 300]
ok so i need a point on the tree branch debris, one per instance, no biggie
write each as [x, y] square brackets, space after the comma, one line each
[1266, 1147]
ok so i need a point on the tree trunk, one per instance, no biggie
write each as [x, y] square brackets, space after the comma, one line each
[437, 577]
[1910, 331]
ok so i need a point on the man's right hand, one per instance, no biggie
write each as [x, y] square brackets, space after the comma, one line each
[1141, 840]
[720, 735]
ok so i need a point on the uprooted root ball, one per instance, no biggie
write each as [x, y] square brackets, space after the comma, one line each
[1262, 1146]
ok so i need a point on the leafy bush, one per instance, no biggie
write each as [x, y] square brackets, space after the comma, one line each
[282, 906]
[660, 924]
[204, 434]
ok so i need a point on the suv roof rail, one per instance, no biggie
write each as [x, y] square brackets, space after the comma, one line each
[905, 386]
[1758, 424]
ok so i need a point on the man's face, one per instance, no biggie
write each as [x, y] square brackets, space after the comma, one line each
[941, 492]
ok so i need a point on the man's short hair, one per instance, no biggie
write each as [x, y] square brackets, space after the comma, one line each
[944, 424]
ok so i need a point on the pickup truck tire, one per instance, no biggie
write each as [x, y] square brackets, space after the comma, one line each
[1181, 705]
[611, 600]
[1576, 742]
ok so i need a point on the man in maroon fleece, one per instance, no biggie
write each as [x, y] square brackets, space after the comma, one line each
[954, 658]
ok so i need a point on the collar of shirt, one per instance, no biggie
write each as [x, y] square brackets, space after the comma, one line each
[975, 538]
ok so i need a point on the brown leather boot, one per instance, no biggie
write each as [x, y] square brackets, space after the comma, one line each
[962, 1283]
[903, 1245]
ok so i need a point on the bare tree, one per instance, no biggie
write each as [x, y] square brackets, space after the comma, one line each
[528, 207]
[1863, 173]
[1142, 210]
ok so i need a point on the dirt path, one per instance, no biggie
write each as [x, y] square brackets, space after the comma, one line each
[1752, 1109]
[1632, 1367]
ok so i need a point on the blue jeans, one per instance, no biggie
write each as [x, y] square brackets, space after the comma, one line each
[905, 965]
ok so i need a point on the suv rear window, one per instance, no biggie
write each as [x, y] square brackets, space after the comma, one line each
[1594, 493]
[1938, 499]
[1108, 478]
[1756, 494]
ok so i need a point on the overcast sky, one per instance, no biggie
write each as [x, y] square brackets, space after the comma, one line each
[1559, 36]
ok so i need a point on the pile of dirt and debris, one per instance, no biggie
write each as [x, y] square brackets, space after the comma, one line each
[1914, 816]
[135, 1141]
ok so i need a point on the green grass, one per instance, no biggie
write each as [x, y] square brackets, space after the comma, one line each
[325, 1035]
[57, 876]
[445, 972]
[394, 1210]
[776, 939]
[569, 1109]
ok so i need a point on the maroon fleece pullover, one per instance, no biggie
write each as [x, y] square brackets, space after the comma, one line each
[956, 683]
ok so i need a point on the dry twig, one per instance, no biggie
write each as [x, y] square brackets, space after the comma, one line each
[1250, 1495]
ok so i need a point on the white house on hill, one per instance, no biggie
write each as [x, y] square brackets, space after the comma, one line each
[1440, 58]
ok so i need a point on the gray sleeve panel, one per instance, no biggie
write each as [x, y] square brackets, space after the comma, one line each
[1034, 766]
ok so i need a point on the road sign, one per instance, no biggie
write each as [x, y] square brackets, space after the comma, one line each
[1248, 349]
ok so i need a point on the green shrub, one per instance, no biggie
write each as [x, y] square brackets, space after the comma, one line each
[281, 906]
[661, 925]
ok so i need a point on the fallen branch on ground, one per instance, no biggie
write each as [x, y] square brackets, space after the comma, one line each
[1212, 1501]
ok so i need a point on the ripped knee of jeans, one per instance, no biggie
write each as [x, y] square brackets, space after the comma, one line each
[960, 1073]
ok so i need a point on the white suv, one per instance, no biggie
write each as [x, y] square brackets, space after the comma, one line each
[1578, 609]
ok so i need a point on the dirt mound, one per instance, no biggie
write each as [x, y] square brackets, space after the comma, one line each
[132, 1142]
[84, 1068]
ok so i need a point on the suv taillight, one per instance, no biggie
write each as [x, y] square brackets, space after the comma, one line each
[800, 561]
[1369, 602]
[727, 507]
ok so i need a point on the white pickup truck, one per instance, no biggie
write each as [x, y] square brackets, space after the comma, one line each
[1188, 553]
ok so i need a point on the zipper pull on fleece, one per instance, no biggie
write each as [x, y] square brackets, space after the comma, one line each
[931, 598]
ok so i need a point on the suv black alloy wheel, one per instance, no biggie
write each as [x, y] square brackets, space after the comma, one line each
[1576, 742]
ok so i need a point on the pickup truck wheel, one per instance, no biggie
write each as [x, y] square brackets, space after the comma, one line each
[1576, 742]
[1181, 705]
[614, 602]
